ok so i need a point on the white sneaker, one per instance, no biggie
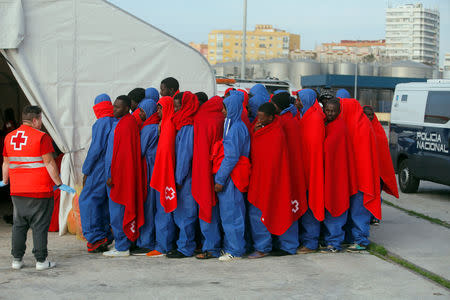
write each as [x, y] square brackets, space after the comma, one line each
[17, 264]
[228, 257]
[40, 266]
[116, 253]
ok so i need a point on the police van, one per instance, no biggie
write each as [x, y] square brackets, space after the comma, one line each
[419, 133]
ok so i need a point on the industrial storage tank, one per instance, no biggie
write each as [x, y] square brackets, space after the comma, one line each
[304, 67]
[218, 69]
[365, 69]
[258, 71]
[376, 69]
[411, 69]
[385, 70]
[344, 68]
[277, 68]
[228, 69]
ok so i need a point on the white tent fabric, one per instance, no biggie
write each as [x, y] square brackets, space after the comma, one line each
[73, 50]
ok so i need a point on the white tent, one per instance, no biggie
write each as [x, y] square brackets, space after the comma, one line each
[63, 53]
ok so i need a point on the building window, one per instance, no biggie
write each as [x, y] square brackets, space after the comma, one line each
[253, 44]
[262, 46]
[227, 44]
[212, 44]
[211, 51]
[237, 36]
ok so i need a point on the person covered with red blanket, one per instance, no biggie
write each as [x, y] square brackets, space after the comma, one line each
[291, 127]
[136, 95]
[312, 136]
[367, 201]
[185, 215]
[272, 209]
[258, 96]
[93, 201]
[208, 130]
[236, 143]
[125, 179]
[244, 116]
[388, 182]
[163, 179]
[340, 176]
[149, 142]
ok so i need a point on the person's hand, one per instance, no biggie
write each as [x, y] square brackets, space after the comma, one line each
[109, 182]
[2, 184]
[218, 188]
[84, 179]
[65, 188]
[258, 126]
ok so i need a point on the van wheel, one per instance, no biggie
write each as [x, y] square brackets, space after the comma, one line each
[408, 182]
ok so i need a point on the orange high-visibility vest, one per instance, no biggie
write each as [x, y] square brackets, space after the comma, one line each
[27, 171]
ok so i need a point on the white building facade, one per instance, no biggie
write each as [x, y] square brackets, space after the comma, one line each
[412, 33]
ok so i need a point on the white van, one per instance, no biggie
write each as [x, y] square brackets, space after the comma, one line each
[419, 133]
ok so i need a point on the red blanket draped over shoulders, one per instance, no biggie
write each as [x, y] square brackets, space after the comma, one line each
[163, 177]
[312, 136]
[270, 186]
[365, 151]
[127, 174]
[340, 173]
[387, 172]
[208, 129]
[291, 128]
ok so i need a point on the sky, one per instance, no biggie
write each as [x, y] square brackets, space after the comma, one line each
[316, 21]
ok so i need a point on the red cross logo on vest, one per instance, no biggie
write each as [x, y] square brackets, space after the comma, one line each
[19, 140]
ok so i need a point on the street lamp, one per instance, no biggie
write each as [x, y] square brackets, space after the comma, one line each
[244, 40]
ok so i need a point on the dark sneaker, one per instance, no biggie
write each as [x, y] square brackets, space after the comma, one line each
[279, 252]
[305, 250]
[99, 246]
[257, 254]
[175, 254]
[330, 249]
[375, 222]
[356, 248]
[140, 251]
[205, 255]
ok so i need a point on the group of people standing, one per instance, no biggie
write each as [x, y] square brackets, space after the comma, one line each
[177, 174]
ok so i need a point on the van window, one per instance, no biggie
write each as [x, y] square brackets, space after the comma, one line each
[438, 107]
[404, 98]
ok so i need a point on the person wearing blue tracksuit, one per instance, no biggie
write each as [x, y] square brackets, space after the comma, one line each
[149, 143]
[258, 96]
[186, 213]
[236, 143]
[93, 200]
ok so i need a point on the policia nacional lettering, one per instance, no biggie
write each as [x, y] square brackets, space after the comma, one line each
[430, 142]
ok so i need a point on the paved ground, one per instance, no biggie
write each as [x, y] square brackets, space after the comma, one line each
[315, 276]
[431, 199]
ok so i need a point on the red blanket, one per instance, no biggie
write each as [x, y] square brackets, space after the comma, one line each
[189, 107]
[312, 136]
[127, 174]
[340, 173]
[163, 177]
[365, 151]
[291, 128]
[103, 109]
[138, 118]
[270, 186]
[387, 172]
[208, 129]
[241, 172]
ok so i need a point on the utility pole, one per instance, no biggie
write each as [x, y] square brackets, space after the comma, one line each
[244, 40]
[355, 94]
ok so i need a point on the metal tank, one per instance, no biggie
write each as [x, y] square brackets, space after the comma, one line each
[385, 70]
[228, 69]
[218, 69]
[446, 74]
[411, 69]
[344, 68]
[384, 100]
[376, 69]
[331, 68]
[368, 97]
[277, 68]
[304, 67]
[258, 70]
[365, 69]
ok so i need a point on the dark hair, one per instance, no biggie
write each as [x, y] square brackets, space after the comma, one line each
[268, 108]
[9, 114]
[125, 99]
[282, 100]
[171, 83]
[368, 107]
[334, 101]
[178, 96]
[31, 112]
[202, 97]
[137, 94]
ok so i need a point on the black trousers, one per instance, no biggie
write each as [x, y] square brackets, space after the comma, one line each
[34, 213]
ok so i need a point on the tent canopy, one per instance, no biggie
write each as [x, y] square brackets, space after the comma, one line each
[63, 53]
